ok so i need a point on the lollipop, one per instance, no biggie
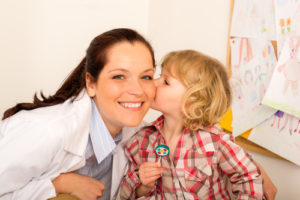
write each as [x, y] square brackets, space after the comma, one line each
[162, 150]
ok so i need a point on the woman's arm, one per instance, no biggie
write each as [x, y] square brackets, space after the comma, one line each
[25, 155]
[81, 186]
[270, 189]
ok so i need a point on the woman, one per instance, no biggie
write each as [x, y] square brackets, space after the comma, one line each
[111, 89]
[72, 142]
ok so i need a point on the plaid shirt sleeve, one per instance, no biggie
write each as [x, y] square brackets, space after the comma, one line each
[243, 173]
[131, 179]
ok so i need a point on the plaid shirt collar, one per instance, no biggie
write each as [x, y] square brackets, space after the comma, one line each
[158, 124]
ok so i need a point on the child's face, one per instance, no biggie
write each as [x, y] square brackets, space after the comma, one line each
[169, 95]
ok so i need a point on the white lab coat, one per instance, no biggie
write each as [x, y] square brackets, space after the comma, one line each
[36, 146]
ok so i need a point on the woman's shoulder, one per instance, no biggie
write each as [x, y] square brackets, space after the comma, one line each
[44, 118]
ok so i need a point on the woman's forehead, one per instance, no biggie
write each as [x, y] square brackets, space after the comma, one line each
[129, 56]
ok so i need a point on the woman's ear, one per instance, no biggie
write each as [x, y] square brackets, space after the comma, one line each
[90, 84]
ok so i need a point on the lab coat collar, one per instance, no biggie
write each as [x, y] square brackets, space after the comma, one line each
[76, 140]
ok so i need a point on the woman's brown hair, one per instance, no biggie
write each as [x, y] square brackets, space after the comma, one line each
[93, 63]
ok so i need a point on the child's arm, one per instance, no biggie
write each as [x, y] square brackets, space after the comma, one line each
[243, 173]
[139, 176]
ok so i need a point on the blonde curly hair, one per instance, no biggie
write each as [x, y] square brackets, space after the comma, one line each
[208, 94]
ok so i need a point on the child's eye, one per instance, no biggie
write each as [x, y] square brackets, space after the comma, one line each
[118, 77]
[166, 82]
[147, 77]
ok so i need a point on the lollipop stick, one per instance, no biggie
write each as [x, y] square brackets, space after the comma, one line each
[159, 159]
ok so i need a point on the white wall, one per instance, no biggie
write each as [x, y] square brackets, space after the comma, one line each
[284, 174]
[41, 41]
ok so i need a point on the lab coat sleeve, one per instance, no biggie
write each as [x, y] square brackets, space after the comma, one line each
[26, 152]
[36, 190]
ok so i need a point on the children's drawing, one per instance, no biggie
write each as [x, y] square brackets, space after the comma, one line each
[288, 120]
[252, 93]
[287, 20]
[283, 90]
[282, 138]
[277, 116]
[238, 97]
[291, 67]
[297, 127]
[253, 19]
[253, 61]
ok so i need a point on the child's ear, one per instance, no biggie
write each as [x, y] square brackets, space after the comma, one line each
[90, 84]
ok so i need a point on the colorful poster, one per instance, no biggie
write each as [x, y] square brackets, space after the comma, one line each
[287, 20]
[253, 19]
[279, 134]
[253, 61]
[283, 92]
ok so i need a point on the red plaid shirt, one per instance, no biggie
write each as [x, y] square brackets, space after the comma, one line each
[201, 160]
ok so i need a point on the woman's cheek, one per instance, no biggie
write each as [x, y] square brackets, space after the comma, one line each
[151, 91]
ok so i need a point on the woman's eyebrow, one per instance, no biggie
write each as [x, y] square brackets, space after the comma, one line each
[149, 70]
[125, 70]
[118, 69]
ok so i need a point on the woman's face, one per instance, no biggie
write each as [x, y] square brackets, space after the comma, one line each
[125, 89]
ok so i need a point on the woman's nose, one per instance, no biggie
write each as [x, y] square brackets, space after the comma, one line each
[135, 87]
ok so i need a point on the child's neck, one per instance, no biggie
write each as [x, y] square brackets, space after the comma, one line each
[172, 128]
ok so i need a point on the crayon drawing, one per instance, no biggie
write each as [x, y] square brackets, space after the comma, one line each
[287, 20]
[253, 19]
[283, 92]
[279, 134]
[253, 62]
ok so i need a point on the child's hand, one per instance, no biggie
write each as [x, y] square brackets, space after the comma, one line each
[149, 172]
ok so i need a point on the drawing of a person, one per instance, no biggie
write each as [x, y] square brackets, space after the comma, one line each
[250, 88]
[278, 115]
[295, 130]
[291, 68]
[288, 119]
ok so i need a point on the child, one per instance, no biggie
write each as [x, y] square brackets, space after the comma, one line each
[193, 92]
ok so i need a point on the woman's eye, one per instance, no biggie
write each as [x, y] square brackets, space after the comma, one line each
[118, 77]
[147, 77]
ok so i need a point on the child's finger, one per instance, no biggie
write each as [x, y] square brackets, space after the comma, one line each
[150, 180]
[150, 164]
[154, 178]
[152, 172]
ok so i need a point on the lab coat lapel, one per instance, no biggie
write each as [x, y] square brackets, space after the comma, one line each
[120, 160]
[76, 140]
